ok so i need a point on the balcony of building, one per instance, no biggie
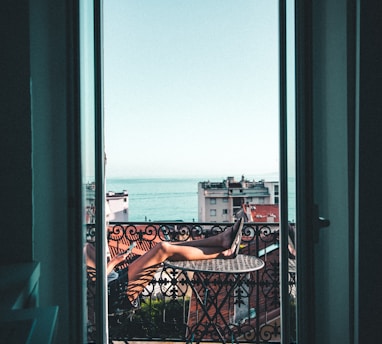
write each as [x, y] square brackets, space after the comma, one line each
[168, 310]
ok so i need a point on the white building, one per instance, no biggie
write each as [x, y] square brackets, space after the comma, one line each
[118, 204]
[221, 201]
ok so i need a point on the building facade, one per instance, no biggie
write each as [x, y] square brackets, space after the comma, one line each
[117, 204]
[221, 201]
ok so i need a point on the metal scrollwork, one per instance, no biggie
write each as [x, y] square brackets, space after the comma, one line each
[167, 306]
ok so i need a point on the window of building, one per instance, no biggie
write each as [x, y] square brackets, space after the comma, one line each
[212, 200]
[238, 201]
[225, 200]
[225, 211]
[212, 212]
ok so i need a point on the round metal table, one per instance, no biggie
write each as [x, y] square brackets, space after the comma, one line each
[212, 298]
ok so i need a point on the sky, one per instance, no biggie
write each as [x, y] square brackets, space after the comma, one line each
[191, 88]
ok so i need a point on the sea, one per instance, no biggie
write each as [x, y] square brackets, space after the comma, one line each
[159, 199]
[165, 199]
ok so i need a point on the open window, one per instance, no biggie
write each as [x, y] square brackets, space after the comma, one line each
[94, 158]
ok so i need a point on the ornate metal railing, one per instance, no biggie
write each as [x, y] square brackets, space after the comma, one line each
[167, 309]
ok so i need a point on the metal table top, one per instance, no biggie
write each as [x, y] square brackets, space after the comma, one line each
[241, 264]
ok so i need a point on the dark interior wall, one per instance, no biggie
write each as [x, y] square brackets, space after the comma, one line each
[15, 134]
[37, 171]
[49, 113]
[369, 188]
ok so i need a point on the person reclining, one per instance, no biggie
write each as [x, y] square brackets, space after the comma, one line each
[141, 271]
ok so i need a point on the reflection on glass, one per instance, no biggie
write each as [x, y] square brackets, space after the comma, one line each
[291, 120]
[88, 153]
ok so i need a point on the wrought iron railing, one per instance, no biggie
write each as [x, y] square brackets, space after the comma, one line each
[167, 308]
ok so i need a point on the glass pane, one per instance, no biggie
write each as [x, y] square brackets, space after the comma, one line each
[291, 166]
[88, 154]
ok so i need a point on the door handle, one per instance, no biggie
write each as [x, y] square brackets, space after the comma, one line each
[319, 223]
[323, 222]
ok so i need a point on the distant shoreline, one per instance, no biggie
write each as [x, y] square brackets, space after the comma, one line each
[265, 176]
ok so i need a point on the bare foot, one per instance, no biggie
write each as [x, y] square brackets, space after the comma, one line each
[227, 254]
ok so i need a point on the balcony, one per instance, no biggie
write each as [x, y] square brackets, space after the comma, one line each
[168, 310]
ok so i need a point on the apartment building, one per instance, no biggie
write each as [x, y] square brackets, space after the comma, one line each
[117, 204]
[221, 201]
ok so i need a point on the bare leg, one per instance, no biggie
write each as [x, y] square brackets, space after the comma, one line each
[89, 252]
[141, 270]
